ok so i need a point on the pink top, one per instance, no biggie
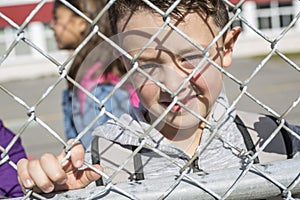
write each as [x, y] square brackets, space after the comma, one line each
[89, 83]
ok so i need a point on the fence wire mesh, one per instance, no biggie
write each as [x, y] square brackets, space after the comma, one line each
[251, 181]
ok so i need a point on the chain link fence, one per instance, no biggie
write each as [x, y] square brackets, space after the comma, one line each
[251, 181]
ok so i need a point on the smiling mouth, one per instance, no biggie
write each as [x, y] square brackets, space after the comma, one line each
[175, 108]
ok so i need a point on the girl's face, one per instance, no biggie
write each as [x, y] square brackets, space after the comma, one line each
[68, 28]
[170, 59]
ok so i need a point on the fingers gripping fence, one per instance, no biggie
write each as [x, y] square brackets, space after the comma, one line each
[250, 181]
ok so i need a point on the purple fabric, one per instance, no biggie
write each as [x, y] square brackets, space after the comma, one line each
[9, 185]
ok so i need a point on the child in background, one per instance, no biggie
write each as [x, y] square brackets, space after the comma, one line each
[169, 59]
[70, 30]
[9, 185]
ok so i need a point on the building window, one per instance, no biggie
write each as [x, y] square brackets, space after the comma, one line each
[274, 14]
[237, 21]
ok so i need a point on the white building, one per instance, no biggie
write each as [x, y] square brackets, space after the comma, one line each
[271, 18]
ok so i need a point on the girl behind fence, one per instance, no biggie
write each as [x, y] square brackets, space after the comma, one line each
[88, 68]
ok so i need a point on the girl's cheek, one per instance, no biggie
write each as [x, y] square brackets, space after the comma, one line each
[210, 84]
[214, 86]
[148, 91]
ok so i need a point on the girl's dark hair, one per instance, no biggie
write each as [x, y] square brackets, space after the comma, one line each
[91, 9]
[214, 8]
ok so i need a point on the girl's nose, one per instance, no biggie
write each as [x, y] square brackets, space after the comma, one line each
[172, 79]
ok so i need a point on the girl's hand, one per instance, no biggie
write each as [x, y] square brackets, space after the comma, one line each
[47, 174]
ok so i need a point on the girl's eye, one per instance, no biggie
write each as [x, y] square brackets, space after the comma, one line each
[191, 61]
[152, 69]
[149, 66]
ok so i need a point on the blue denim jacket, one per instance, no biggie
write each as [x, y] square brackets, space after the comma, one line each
[75, 121]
